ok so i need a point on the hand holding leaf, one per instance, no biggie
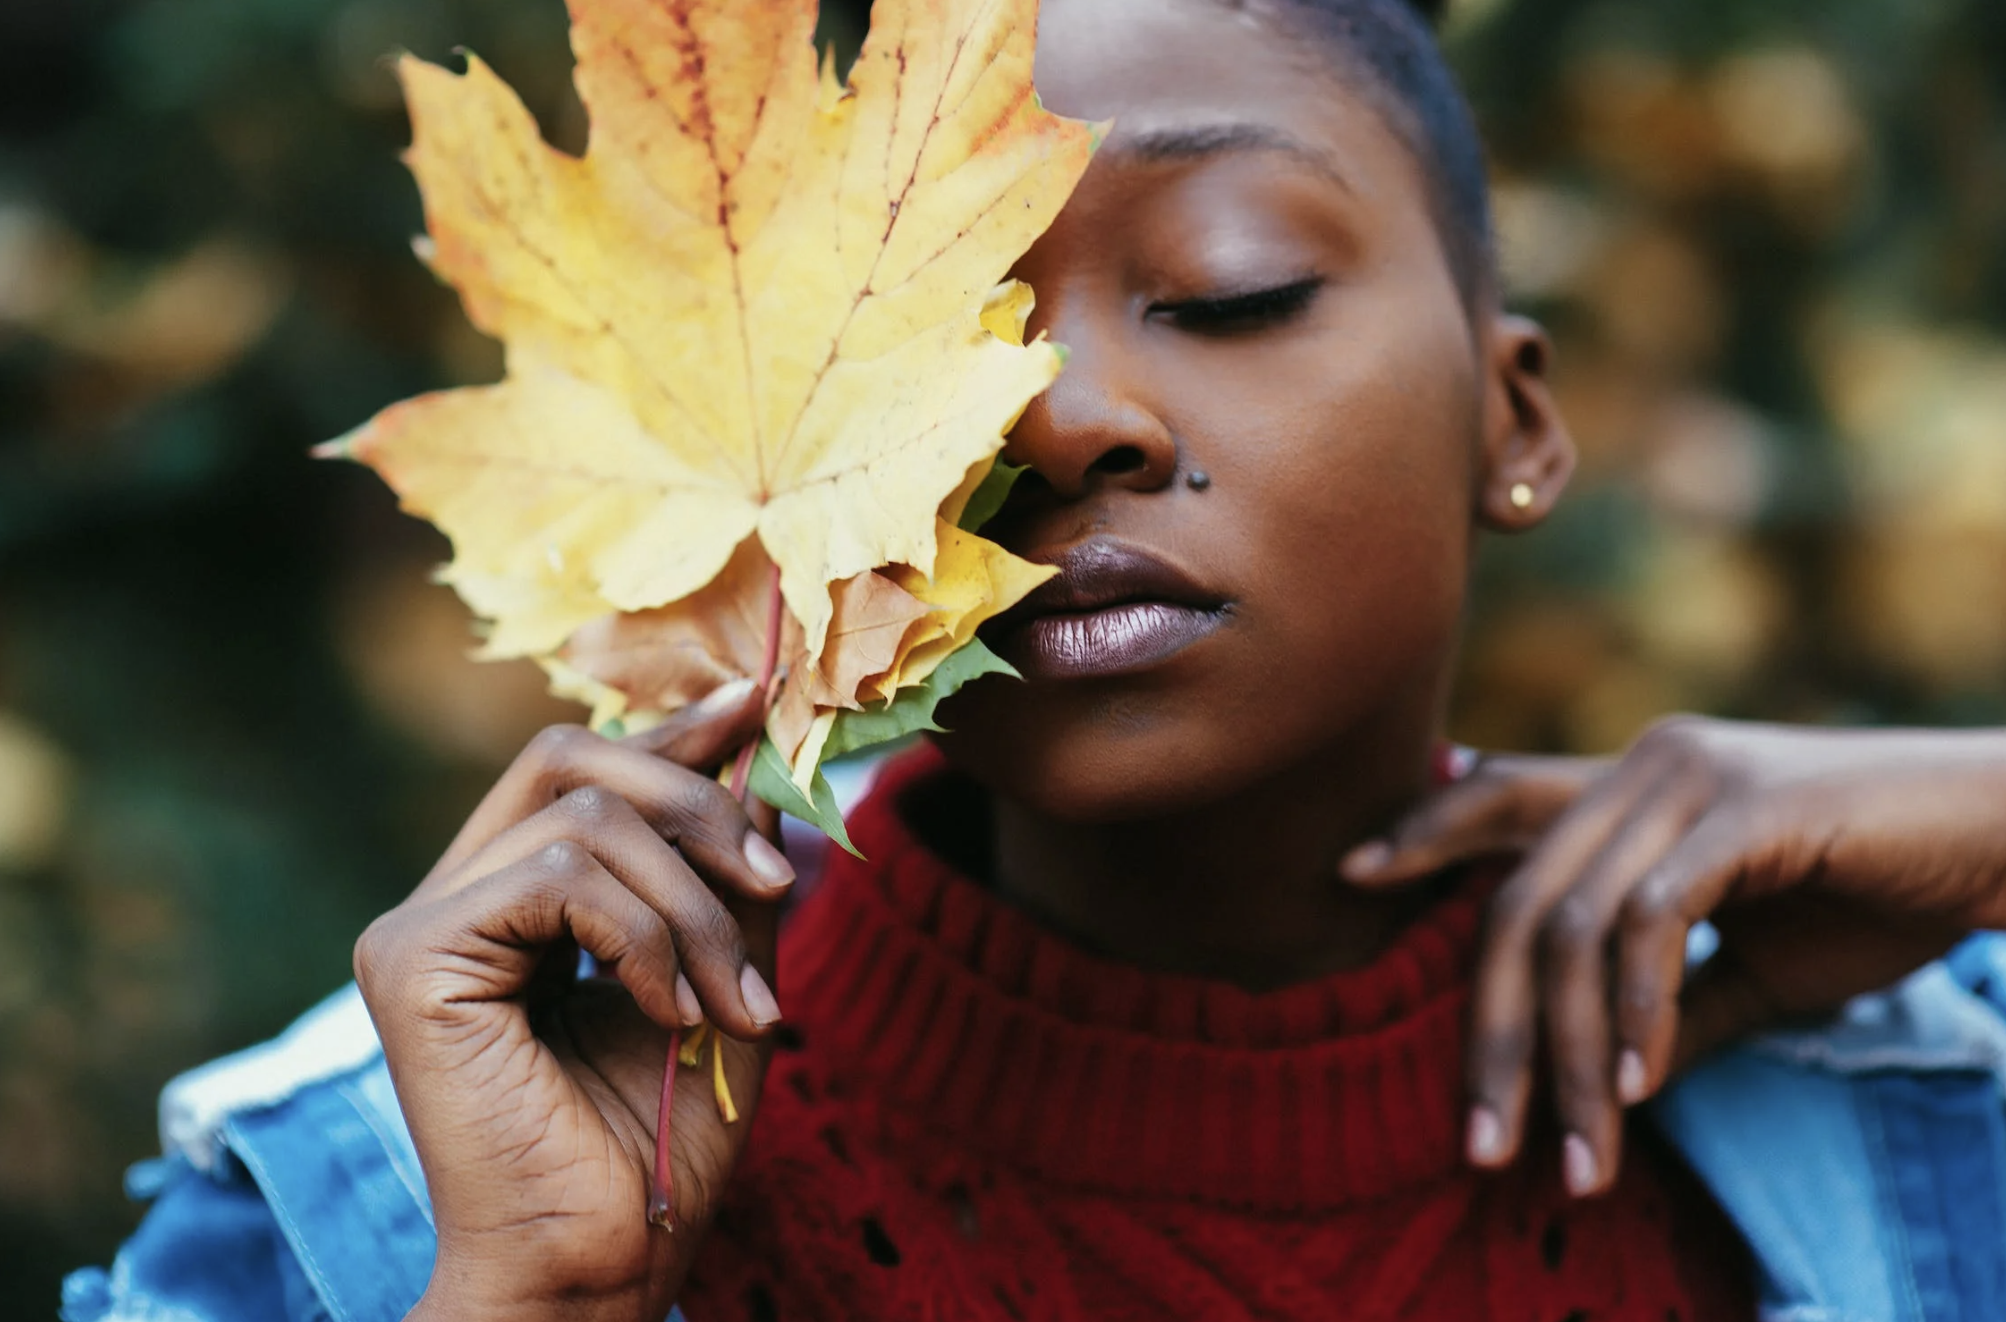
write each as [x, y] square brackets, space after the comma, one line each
[760, 360]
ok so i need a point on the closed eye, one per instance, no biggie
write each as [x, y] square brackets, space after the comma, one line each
[1240, 314]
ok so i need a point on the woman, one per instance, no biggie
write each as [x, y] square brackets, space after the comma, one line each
[1098, 1031]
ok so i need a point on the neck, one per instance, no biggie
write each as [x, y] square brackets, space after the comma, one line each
[1244, 889]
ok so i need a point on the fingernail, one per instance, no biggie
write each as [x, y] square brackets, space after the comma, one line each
[1632, 1084]
[1486, 1137]
[688, 1007]
[771, 865]
[723, 698]
[1577, 1166]
[1367, 859]
[759, 1002]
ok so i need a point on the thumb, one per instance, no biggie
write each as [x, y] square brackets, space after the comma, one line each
[708, 732]
[1723, 1002]
[1505, 806]
[1460, 821]
[1797, 955]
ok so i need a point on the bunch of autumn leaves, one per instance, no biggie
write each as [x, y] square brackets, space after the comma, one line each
[898, 643]
[762, 355]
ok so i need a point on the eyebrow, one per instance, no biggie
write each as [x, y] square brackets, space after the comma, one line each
[1200, 142]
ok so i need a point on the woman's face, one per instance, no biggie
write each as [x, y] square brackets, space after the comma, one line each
[1260, 468]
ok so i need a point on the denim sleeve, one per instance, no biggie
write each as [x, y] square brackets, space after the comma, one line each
[1980, 965]
[293, 1192]
[208, 1251]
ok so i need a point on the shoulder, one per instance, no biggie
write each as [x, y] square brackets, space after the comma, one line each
[288, 1188]
[1865, 1158]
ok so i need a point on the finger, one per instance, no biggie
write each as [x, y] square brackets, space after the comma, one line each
[709, 944]
[1578, 948]
[709, 732]
[563, 757]
[486, 942]
[1504, 807]
[1505, 1001]
[1463, 820]
[759, 929]
[765, 819]
[1724, 1001]
[684, 808]
[1656, 925]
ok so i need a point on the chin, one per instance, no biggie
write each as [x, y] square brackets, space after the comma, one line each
[1092, 758]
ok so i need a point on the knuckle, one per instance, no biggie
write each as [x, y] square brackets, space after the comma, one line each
[594, 803]
[562, 857]
[1677, 735]
[367, 957]
[556, 745]
[700, 799]
[1573, 928]
[715, 931]
[1648, 905]
[378, 953]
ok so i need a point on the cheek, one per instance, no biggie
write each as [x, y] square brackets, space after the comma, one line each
[1356, 502]
[1340, 518]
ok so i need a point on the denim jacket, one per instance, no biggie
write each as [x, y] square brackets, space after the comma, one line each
[1864, 1162]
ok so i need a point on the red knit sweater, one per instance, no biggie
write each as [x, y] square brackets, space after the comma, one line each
[973, 1120]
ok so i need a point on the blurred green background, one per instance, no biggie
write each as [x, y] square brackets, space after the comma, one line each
[236, 719]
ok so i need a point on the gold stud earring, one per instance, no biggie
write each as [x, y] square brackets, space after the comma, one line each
[1522, 496]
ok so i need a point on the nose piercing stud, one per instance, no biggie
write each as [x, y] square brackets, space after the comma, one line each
[1198, 479]
[1522, 496]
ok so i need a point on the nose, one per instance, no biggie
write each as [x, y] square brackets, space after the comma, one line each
[1091, 431]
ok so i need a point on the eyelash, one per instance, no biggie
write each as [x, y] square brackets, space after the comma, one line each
[1240, 314]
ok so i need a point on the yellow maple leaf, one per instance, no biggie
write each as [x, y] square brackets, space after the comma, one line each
[762, 310]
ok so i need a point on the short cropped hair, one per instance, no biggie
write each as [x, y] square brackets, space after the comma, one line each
[1390, 45]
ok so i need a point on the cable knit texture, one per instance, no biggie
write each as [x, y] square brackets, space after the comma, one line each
[971, 1119]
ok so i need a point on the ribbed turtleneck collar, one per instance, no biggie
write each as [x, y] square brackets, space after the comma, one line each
[940, 999]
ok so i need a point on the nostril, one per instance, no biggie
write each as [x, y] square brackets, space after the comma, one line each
[1122, 459]
[1030, 483]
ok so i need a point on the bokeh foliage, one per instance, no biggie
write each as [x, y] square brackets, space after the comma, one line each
[236, 719]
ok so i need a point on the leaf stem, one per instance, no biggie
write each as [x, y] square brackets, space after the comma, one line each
[776, 606]
[661, 1198]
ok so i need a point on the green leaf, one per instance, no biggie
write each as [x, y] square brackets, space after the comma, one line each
[990, 494]
[772, 783]
[909, 712]
[912, 710]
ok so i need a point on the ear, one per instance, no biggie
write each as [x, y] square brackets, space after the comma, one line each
[1528, 454]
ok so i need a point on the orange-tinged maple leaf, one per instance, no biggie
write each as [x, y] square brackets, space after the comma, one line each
[763, 309]
[640, 666]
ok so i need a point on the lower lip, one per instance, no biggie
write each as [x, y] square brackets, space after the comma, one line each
[1118, 640]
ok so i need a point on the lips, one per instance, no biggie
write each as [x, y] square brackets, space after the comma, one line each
[1113, 609]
